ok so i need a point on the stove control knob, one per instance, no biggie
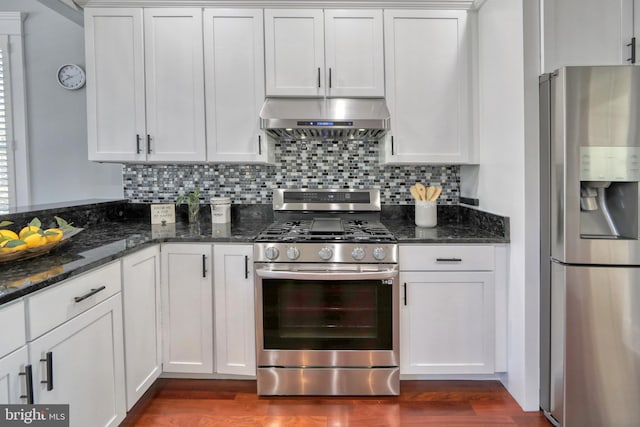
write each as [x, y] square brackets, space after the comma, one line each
[293, 253]
[271, 252]
[357, 253]
[326, 253]
[379, 254]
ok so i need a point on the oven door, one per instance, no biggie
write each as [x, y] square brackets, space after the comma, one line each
[327, 315]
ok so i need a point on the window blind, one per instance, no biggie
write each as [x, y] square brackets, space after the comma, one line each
[6, 153]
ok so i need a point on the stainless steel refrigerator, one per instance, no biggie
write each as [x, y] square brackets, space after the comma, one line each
[590, 251]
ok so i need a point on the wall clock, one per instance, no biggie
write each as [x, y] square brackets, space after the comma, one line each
[71, 76]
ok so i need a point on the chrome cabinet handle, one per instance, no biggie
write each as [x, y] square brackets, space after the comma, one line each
[246, 267]
[259, 145]
[632, 45]
[329, 77]
[448, 259]
[137, 143]
[392, 145]
[204, 266]
[148, 144]
[90, 293]
[28, 373]
[49, 380]
[318, 77]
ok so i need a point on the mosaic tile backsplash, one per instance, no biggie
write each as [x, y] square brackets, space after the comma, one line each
[344, 164]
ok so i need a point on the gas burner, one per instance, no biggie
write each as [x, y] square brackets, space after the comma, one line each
[326, 226]
[303, 230]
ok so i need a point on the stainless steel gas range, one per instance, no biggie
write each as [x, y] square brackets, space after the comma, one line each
[327, 296]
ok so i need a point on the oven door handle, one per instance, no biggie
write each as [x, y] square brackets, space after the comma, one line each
[328, 275]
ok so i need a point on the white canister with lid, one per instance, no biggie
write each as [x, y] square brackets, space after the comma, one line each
[220, 210]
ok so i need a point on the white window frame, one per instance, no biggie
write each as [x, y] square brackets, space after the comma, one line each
[11, 39]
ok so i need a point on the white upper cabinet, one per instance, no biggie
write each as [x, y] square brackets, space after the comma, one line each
[145, 84]
[332, 53]
[588, 32]
[354, 55]
[294, 50]
[636, 31]
[428, 78]
[175, 84]
[116, 123]
[234, 82]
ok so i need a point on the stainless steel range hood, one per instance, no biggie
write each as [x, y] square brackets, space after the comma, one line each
[294, 119]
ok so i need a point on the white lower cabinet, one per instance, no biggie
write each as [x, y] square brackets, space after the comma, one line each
[13, 354]
[187, 308]
[13, 379]
[235, 346]
[447, 313]
[141, 317]
[81, 363]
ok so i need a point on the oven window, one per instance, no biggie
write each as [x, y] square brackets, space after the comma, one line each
[327, 315]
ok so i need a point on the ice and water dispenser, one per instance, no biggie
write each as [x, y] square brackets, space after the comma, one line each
[609, 192]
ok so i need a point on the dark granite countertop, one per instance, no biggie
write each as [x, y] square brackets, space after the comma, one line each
[456, 224]
[115, 228]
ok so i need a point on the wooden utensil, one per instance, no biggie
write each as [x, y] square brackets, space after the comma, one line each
[422, 191]
[436, 193]
[415, 193]
[430, 192]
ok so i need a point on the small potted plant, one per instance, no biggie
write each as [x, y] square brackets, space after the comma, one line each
[193, 204]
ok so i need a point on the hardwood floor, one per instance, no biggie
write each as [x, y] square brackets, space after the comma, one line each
[207, 403]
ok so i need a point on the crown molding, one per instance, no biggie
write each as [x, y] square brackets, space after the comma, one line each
[298, 4]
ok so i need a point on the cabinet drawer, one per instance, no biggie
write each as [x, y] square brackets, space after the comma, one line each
[54, 306]
[13, 328]
[446, 258]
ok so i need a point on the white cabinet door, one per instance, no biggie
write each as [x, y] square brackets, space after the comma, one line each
[87, 366]
[234, 77]
[145, 85]
[354, 52]
[114, 48]
[141, 318]
[187, 308]
[13, 379]
[311, 52]
[294, 52]
[635, 4]
[447, 323]
[175, 84]
[587, 32]
[427, 87]
[234, 310]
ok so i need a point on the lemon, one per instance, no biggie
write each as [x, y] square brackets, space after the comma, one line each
[34, 240]
[8, 234]
[29, 229]
[53, 235]
[13, 246]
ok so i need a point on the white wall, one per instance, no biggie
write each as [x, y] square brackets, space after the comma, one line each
[505, 89]
[56, 118]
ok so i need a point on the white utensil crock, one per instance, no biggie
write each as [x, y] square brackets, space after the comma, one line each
[426, 214]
